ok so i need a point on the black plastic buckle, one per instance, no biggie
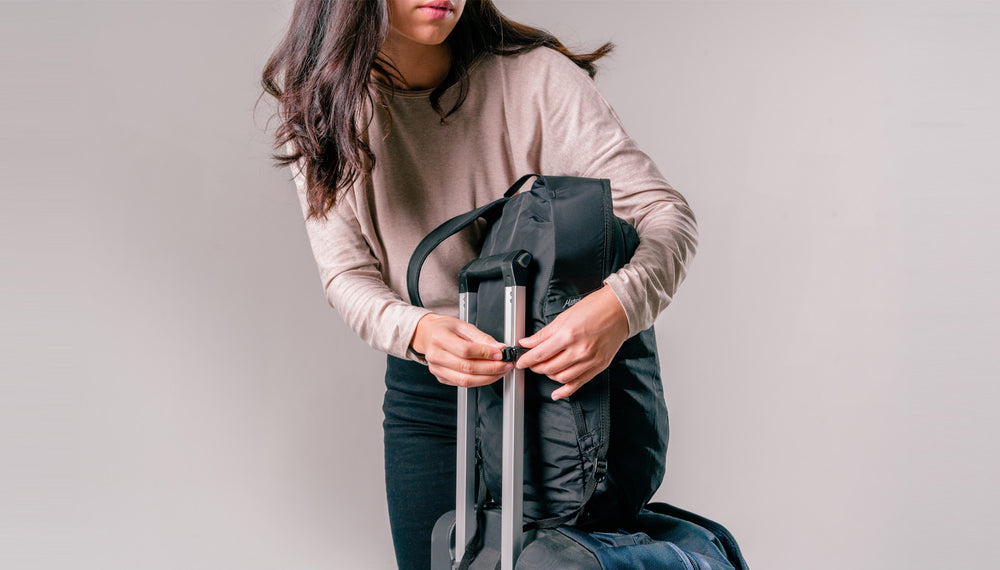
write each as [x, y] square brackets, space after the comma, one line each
[512, 353]
[600, 469]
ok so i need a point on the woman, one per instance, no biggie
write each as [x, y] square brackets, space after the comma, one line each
[399, 114]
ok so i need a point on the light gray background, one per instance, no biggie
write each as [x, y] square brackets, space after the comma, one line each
[175, 393]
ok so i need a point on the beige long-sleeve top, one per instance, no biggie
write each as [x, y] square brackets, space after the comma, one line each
[534, 112]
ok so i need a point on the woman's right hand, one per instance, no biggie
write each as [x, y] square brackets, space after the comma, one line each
[457, 352]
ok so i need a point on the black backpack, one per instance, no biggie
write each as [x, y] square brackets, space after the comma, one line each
[593, 459]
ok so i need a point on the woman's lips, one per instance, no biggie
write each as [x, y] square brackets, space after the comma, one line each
[435, 12]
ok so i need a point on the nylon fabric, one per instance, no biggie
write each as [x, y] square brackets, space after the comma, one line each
[656, 541]
[569, 226]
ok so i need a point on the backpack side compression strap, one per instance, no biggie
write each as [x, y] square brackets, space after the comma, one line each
[439, 234]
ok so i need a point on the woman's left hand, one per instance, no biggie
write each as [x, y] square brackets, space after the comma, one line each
[579, 343]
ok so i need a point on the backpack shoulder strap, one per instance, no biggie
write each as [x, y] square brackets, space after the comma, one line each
[439, 234]
[490, 212]
[517, 185]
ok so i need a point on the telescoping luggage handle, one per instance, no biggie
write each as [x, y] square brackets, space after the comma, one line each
[512, 267]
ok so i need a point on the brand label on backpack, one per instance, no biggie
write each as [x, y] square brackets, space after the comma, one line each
[570, 302]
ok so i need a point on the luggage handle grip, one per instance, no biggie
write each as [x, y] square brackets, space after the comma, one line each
[511, 266]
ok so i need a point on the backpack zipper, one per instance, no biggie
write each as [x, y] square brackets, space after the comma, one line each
[609, 226]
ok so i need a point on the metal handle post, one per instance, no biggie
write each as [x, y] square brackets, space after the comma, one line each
[512, 497]
[513, 268]
[465, 499]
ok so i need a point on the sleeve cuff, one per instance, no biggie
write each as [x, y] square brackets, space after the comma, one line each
[621, 290]
[407, 330]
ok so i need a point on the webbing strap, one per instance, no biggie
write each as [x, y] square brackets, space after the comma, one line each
[515, 186]
[476, 544]
[439, 234]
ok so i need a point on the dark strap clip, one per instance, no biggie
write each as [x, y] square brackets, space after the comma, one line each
[600, 469]
[512, 353]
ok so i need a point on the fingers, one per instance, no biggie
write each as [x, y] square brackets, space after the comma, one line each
[568, 389]
[572, 364]
[477, 344]
[457, 371]
[458, 353]
[439, 333]
[557, 354]
[533, 340]
[577, 344]
[542, 347]
[574, 376]
[454, 378]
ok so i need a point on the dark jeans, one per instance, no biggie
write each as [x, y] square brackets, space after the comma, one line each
[419, 430]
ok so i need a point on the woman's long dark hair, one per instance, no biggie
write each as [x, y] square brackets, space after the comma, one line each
[321, 76]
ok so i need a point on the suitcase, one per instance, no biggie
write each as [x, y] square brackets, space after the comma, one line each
[499, 531]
